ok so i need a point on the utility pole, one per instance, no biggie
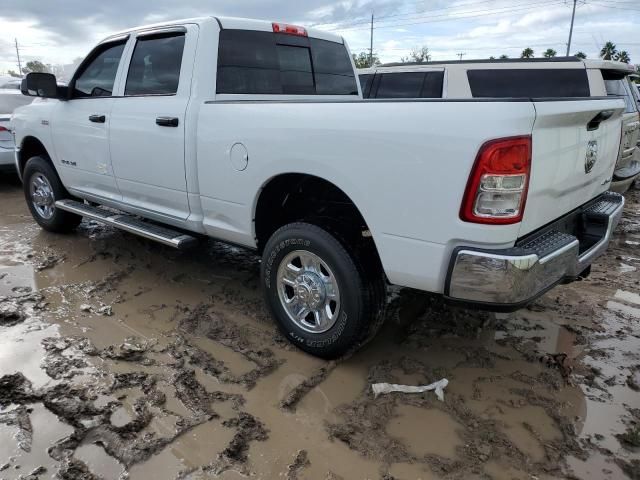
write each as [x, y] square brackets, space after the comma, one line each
[18, 54]
[460, 55]
[371, 45]
[573, 16]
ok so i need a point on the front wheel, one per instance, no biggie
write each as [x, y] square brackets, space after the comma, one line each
[42, 188]
[318, 291]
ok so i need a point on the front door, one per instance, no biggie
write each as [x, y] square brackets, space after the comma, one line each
[80, 126]
[147, 129]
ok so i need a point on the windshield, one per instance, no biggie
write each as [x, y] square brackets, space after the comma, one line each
[9, 102]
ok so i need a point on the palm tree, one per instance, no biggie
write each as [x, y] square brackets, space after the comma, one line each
[527, 53]
[581, 55]
[623, 56]
[608, 51]
[504, 56]
[549, 53]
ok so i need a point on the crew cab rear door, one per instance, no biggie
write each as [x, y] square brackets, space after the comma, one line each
[574, 152]
[147, 128]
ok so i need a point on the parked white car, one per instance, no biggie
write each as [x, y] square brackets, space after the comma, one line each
[256, 133]
[513, 78]
[10, 99]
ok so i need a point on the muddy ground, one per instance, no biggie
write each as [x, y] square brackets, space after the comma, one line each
[120, 358]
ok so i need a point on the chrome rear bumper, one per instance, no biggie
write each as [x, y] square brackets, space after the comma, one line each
[509, 279]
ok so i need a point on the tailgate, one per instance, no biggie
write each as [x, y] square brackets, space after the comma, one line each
[571, 162]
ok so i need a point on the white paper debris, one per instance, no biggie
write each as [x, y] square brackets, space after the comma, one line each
[438, 387]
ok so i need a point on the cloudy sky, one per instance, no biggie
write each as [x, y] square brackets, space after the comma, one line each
[59, 31]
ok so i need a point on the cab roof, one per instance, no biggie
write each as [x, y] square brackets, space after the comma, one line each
[230, 23]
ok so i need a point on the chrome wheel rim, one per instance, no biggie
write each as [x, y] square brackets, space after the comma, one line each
[42, 196]
[308, 291]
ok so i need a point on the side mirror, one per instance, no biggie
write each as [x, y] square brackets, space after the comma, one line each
[37, 84]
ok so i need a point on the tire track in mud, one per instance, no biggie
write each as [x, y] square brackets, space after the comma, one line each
[75, 404]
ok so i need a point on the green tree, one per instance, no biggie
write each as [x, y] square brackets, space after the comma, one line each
[417, 55]
[527, 53]
[608, 52]
[623, 56]
[549, 53]
[363, 60]
[504, 56]
[34, 66]
[13, 73]
[581, 55]
[492, 57]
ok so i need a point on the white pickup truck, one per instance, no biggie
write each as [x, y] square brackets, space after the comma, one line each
[256, 133]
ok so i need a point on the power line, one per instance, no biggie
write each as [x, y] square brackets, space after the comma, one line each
[531, 6]
[448, 16]
[616, 7]
[364, 20]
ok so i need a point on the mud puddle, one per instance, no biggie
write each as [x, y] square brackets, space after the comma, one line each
[120, 358]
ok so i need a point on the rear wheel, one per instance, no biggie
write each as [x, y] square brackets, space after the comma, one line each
[322, 297]
[42, 188]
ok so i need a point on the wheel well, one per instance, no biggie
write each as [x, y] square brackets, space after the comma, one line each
[299, 197]
[31, 147]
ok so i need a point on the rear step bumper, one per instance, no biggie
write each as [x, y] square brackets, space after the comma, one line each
[508, 279]
[130, 224]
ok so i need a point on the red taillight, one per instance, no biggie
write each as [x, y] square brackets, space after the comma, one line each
[497, 188]
[3, 129]
[289, 29]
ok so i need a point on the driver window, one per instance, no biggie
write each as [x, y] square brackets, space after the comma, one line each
[99, 75]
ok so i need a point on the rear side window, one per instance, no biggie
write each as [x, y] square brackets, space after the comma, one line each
[251, 62]
[409, 85]
[97, 77]
[155, 65]
[529, 83]
[620, 88]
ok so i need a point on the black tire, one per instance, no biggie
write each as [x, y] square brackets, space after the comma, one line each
[60, 221]
[361, 290]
